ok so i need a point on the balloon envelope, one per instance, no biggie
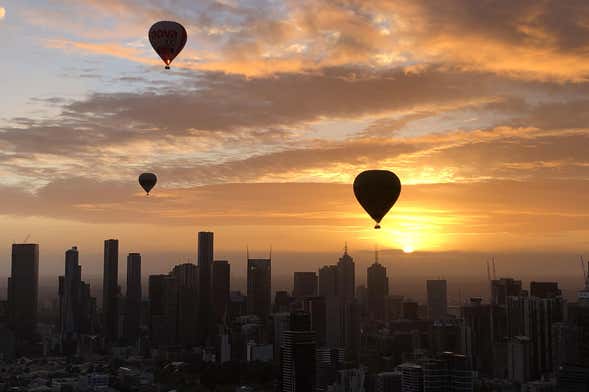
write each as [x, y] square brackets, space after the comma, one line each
[147, 181]
[377, 191]
[168, 39]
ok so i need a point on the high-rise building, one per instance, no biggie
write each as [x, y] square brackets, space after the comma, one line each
[346, 283]
[503, 288]
[317, 309]
[221, 289]
[110, 290]
[519, 358]
[328, 281]
[186, 278]
[478, 335]
[282, 301]
[163, 310]
[411, 377]
[133, 298]
[206, 316]
[305, 285]
[352, 331]
[387, 382]
[377, 290]
[69, 300]
[298, 355]
[545, 289]
[437, 299]
[259, 272]
[23, 288]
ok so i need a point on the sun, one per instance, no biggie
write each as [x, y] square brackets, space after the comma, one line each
[408, 249]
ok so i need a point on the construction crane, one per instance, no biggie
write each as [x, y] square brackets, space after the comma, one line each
[26, 238]
[585, 276]
[494, 274]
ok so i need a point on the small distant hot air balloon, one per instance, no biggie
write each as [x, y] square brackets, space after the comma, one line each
[147, 181]
[168, 39]
[377, 191]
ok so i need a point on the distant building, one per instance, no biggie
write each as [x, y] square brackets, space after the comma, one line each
[221, 289]
[282, 301]
[328, 281]
[133, 298]
[110, 290]
[206, 316]
[70, 295]
[346, 281]
[186, 289]
[163, 310]
[545, 290]
[411, 377]
[437, 299]
[503, 288]
[304, 284]
[23, 289]
[298, 355]
[519, 359]
[317, 309]
[388, 382]
[377, 291]
[259, 272]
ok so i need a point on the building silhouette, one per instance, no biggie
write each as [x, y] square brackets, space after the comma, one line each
[205, 256]
[70, 294]
[110, 290]
[377, 290]
[23, 289]
[259, 283]
[544, 289]
[185, 287]
[133, 298]
[346, 281]
[328, 281]
[221, 289]
[304, 285]
[437, 299]
[503, 288]
[298, 355]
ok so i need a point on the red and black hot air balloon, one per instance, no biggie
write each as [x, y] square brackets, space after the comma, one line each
[377, 191]
[168, 39]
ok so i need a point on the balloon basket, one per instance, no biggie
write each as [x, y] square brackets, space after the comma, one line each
[167, 67]
[377, 227]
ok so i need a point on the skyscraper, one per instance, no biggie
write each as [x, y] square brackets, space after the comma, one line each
[186, 287]
[23, 288]
[305, 284]
[133, 299]
[503, 288]
[346, 284]
[377, 290]
[545, 289]
[70, 304]
[221, 289]
[259, 272]
[317, 309]
[205, 306]
[110, 290]
[437, 299]
[328, 281]
[298, 355]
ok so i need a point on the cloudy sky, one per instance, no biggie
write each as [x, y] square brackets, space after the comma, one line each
[274, 106]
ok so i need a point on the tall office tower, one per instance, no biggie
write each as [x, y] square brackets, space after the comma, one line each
[282, 301]
[70, 315]
[298, 355]
[352, 335]
[163, 309]
[206, 317]
[346, 277]
[478, 335]
[411, 377]
[221, 289]
[259, 273]
[437, 299]
[503, 288]
[545, 289]
[533, 317]
[280, 323]
[305, 285]
[186, 286]
[377, 291]
[133, 299]
[23, 288]
[328, 281]
[387, 382]
[110, 290]
[317, 309]
[518, 359]
[87, 310]
[410, 310]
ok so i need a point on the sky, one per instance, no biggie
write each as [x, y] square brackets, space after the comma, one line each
[272, 109]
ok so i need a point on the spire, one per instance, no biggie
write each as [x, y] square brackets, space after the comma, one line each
[346, 248]
[376, 254]
[270, 252]
[247, 251]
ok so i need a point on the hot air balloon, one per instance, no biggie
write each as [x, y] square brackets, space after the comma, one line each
[377, 191]
[168, 39]
[147, 181]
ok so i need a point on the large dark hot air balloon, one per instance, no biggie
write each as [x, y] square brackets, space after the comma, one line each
[147, 181]
[377, 191]
[168, 39]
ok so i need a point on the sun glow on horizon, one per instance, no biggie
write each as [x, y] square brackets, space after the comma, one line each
[408, 249]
